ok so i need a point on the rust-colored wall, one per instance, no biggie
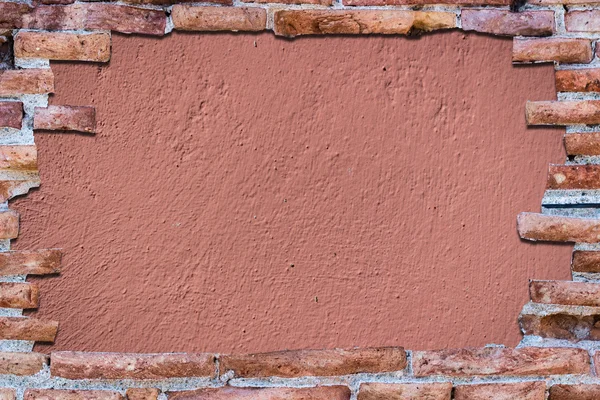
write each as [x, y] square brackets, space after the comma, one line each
[230, 186]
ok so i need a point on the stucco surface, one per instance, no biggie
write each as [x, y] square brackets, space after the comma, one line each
[322, 192]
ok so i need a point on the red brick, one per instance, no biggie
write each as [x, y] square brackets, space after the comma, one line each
[583, 21]
[65, 118]
[574, 392]
[585, 261]
[19, 295]
[38, 262]
[563, 112]
[280, 393]
[315, 2]
[11, 114]
[584, 143]
[316, 22]
[9, 224]
[26, 81]
[557, 321]
[12, 13]
[564, 2]
[63, 46]
[502, 391]
[82, 365]
[578, 80]
[315, 362]
[504, 22]
[425, 2]
[53, 394]
[532, 226]
[22, 364]
[96, 16]
[405, 391]
[565, 292]
[7, 394]
[142, 394]
[199, 18]
[573, 177]
[501, 361]
[21, 328]
[552, 49]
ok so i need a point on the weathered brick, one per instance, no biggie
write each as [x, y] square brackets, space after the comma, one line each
[18, 157]
[565, 292]
[584, 143]
[405, 391]
[38, 262]
[573, 177]
[96, 16]
[564, 2]
[563, 112]
[502, 391]
[12, 13]
[552, 49]
[26, 81]
[315, 362]
[170, 2]
[425, 2]
[578, 80]
[316, 2]
[280, 393]
[574, 392]
[63, 46]
[585, 261]
[533, 226]
[65, 118]
[316, 22]
[142, 394]
[11, 114]
[199, 18]
[22, 364]
[501, 361]
[19, 295]
[557, 321]
[504, 22]
[18, 170]
[7, 394]
[83, 365]
[21, 328]
[54, 394]
[583, 21]
[9, 224]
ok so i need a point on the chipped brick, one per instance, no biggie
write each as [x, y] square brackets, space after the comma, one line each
[11, 114]
[315, 22]
[19, 295]
[21, 328]
[573, 177]
[425, 2]
[585, 261]
[12, 13]
[578, 80]
[7, 394]
[563, 112]
[54, 394]
[315, 2]
[583, 21]
[502, 391]
[83, 365]
[563, 50]
[199, 18]
[9, 224]
[315, 362]
[18, 157]
[501, 361]
[405, 391]
[503, 22]
[574, 392]
[565, 292]
[22, 364]
[26, 81]
[557, 321]
[142, 394]
[63, 46]
[38, 262]
[280, 393]
[65, 118]
[533, 226]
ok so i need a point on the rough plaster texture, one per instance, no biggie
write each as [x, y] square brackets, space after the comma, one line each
[314, 193]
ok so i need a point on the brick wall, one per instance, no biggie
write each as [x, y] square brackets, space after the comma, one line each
[558, 356]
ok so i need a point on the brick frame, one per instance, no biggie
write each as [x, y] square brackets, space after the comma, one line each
[558, 357]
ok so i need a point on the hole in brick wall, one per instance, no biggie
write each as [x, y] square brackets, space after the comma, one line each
[7, 59]
[387, 172]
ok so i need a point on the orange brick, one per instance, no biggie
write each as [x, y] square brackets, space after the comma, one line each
[63, 46]
[563, 50]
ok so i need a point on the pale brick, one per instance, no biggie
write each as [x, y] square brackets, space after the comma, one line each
[22, 328]
[405, 391]
[54, 394]
[7, 394]
[22, 364]
[563, 112]
[502, 391]
[9, 224]
[426, 2]
[142, 394]
[583, 21]
[65, 118]
[63, 46]
[563, 50]
[504, 22]
[202, 18]
[26, 81]
[533, 226]
[280, 393]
